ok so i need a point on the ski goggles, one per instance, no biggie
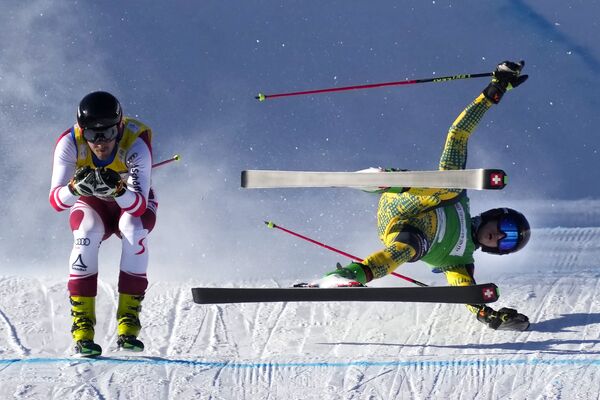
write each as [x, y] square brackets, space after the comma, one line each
[95, 135]
[511, 231]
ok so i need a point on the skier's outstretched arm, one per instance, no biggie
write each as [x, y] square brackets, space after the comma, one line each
[507, 76]
[454, 155]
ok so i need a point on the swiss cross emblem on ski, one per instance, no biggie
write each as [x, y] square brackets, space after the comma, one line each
[489, 294]
[497, 179]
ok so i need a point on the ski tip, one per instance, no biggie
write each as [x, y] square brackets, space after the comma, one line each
[260, 97]
[270, 224]
[176, 157]
[495, 179]
[244, 182]
[490, 292]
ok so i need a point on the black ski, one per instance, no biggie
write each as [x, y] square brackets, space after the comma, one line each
[476, 294]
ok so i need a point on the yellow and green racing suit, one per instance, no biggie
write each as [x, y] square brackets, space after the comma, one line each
[432, 225]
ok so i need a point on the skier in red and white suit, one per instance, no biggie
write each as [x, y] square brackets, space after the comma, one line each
[102, 174]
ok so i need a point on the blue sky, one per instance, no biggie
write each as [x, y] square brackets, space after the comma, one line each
[191, 70]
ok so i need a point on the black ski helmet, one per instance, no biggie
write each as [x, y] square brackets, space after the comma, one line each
[513, 224]
[99, 110]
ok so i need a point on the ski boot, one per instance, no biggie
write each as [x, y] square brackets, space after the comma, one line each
[87, 348]
[352, 275]
[128, 322]
[505, 319]
[130, 343]
[84, 318]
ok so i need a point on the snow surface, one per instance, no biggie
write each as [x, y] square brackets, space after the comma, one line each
[321, 350]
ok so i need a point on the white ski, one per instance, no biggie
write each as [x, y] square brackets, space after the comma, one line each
[477, 179]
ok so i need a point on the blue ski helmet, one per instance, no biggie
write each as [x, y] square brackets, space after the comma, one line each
[513, 224]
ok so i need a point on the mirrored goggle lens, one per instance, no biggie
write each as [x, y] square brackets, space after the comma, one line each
[511, 231]
[101, 135]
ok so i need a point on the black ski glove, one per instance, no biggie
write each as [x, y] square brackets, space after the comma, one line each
[83, 182]
[109, 183]
[507, 76]
[505, 319]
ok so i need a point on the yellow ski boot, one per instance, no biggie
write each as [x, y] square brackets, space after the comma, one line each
[128, 322]
[83, 311]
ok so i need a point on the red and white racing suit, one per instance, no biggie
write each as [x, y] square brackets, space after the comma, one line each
[93, 219]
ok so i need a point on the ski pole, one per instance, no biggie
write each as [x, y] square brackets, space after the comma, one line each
[263, 97]
[271, 224]
[176, 157]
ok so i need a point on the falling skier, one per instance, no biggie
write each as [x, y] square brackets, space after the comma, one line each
[88, 160]
[435, 226]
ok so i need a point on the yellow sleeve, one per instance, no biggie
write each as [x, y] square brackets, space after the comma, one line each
[454, 155]
[385, 261]
[461, 276]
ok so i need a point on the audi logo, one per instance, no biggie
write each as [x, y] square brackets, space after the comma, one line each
[82, 242]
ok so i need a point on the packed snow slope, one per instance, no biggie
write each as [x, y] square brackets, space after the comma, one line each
[321, 350]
